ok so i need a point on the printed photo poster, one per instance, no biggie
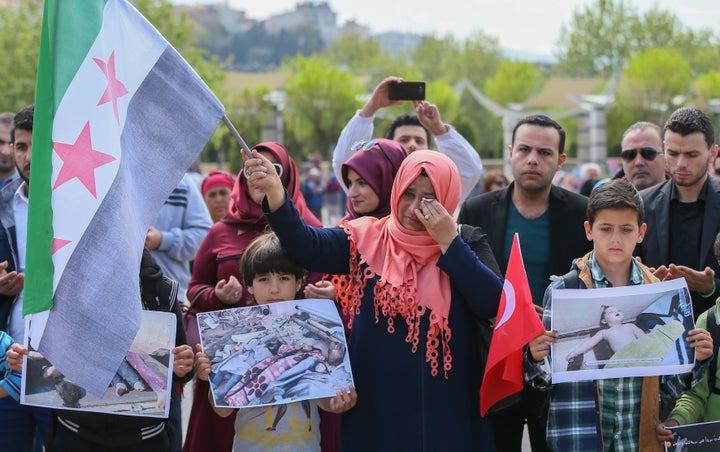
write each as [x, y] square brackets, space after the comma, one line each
[139, 388]
[625, 331]
[703, 437]
[275, 353]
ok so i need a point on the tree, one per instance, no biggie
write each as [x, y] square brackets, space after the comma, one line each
[249, 110]
[708, 85]
[179, 32]
[602, 36]
[480, 59]
[652, 80]
[514, 82]
[433, 57]
[20, 41]
[598, 39]
[320, 98]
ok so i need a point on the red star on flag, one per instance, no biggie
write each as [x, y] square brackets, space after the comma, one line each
[115, 88]
[80, 160]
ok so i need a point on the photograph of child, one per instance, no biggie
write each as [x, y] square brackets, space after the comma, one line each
[276, 353]
[622, 332]
[139, 388]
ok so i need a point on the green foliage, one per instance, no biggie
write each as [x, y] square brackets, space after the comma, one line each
[602, 36]
[362, 55]
[20, 41]
[320, 98]
[514, 82]
[250, 112]
[653, 78]
[599, 38]
[475, 58]
[179, 32]
[708, 85]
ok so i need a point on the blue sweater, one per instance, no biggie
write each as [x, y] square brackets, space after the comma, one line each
[184, 222]
[401, 406]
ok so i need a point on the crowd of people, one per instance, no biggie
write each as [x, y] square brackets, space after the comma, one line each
[408, 287]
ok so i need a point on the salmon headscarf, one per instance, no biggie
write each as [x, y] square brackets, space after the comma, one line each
[378, 167]
[244, 211]
[406, 261]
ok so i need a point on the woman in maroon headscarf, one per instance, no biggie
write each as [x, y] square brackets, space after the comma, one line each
[217, 283]
[369, 176]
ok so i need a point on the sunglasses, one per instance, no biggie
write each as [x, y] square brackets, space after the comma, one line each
[278, 170]
[368, 145]
[498, 182]
[647, 153]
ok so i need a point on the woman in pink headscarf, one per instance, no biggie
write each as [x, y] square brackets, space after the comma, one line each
[217, 284]
[415, 287]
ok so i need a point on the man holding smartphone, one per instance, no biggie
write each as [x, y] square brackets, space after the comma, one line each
[413, 132]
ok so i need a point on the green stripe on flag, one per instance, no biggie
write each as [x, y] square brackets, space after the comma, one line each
[68, 32]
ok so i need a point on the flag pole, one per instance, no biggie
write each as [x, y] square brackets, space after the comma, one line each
[237, 135]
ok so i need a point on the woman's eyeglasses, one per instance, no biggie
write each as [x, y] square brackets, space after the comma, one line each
[368, 145]
[647, 153]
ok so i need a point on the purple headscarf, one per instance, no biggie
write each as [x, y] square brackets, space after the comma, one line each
[378, 167]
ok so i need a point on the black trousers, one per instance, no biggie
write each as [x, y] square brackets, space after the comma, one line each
[509, 423]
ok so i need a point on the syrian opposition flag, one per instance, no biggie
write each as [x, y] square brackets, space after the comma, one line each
[119, 117]
[517, 324]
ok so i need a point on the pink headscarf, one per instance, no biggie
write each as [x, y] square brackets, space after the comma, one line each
[410, 281]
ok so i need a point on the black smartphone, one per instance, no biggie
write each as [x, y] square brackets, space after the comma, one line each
[406, 90]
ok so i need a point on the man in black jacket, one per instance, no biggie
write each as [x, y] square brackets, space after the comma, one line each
[683, 213]
[549, 220]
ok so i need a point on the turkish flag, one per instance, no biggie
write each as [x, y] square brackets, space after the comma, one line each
[517, 324]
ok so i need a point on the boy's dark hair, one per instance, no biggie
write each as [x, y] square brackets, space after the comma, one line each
[542, 121]
[23, 120]
[406, 120]
[688, 120]
[265, 255]
[615, 194]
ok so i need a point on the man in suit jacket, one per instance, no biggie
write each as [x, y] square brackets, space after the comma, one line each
[550, 221]
[683, 213]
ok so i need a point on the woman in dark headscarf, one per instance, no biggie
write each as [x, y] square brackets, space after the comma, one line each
[369, 176]
[217, 283]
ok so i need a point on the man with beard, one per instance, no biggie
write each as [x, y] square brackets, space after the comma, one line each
[683, 213]
[21, 425]
[549, 220]
[8, 173]
[642, 156]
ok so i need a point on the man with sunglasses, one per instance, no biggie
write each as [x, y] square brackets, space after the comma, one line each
[413, 132]
[642, 156]
[683, 213]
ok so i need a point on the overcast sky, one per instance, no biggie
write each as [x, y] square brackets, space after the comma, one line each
[527, 25]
